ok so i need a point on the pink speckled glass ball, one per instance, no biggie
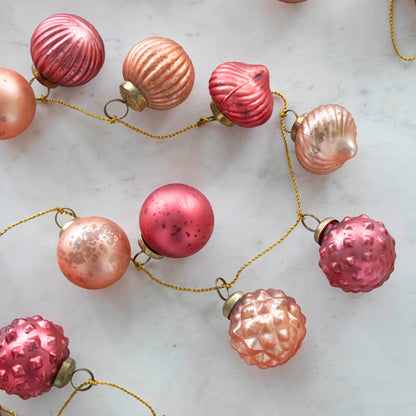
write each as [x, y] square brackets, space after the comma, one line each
[32, 351]
[67, 50]
[17, 104]
[93, 252]
[357, 254]
[242, 93]
[176, 220]
[266, 328]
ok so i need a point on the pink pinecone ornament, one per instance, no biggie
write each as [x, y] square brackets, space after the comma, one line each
[266, 327]
[357, 254]
[32, 351]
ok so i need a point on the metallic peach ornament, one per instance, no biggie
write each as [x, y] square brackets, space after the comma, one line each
[357, 254]
[266, 327]
[325, 138]
[93, 252]
[241, 92]
[32, 351]
[66, 50]
[17, 104]
[176, 220]
[158, 74]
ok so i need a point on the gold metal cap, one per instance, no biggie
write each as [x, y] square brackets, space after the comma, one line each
[296, 126]
[230, 303]
[132, 96]
[146, 250]
[220, 116]
[65, 373]
[66, 226]
[41, 79]
[321, 227]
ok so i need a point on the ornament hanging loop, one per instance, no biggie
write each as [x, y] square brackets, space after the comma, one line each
[220, 283]
[285, 115]
[42, 97]
[86, 385]
[71, 211]
[303, 220]
[116, 100]
[137, 263]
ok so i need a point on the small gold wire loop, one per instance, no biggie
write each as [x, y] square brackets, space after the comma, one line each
[31, 81]
[285, 115]
[223, 285]
[116, 100]
[205, 120]
[82, 386]
[140, 263]
[304, 222]
[63, 212]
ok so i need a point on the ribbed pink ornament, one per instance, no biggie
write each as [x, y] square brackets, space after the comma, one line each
[67, 50]
[357, 254]
[161, 70]
[32, 351]
[266, 328]
[242, 93]
[326, 139]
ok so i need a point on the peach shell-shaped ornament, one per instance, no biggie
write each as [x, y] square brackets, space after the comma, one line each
[325, 138]
[241, 94]
[266, 326]
[157, 74]
[66, 50]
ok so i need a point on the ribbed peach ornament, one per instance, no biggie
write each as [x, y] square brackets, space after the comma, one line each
[356, 254]
[325, 138]
[241, 92]
[32, 351]
[158, 74]
[66, 50]
[266, 327]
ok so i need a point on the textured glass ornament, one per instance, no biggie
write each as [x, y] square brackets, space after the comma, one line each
[266, 328]
[32, 351]
[241, 92]
[66, 50]
[357, 254]
[325, 138]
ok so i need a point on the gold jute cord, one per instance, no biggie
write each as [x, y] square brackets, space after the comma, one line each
[300, 217]
[393, 37]
[200, 123]
[104, 383]
[3, 409]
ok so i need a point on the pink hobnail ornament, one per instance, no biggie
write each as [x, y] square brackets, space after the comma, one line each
[176, 221]
[66, 50]
[241, 92]
[266, 327]
[357, 254]
[32, 351]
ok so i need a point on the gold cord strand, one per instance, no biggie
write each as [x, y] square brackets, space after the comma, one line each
[200, 123]
[56, 209]
[103, 383]
[3, 409]
[392, 34]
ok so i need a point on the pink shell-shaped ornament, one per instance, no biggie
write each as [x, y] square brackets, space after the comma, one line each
[161, 71]
[357, 254]
[325, 138]
[66, 50]
[242, 93]
[266, 328]
[32, 351]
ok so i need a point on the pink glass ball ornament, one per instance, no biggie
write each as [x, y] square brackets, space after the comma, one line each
[357, 254]
[93, 252]
[175, 221]
[325, 138]
[266, 326]
[157, 74]
[66, 50]
[17, 104]
[241, 94]
[32, 351]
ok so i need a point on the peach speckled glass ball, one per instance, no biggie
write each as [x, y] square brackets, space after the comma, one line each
[17, 104]
[266, 328]
[93, 252]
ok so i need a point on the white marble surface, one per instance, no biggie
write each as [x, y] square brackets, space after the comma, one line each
[173, 348]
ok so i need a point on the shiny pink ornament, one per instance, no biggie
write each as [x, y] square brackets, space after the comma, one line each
[17, 104]
[176, 220]
[266, 328]
[32, 351]
[242, 93]
[162, 72]
[93, 252]
[67, 50]
[357, 254]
